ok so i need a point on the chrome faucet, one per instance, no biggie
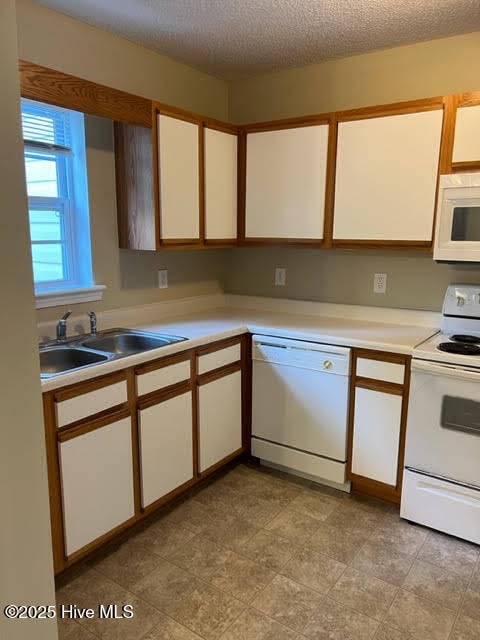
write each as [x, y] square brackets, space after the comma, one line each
[62, 327]
[93, 322]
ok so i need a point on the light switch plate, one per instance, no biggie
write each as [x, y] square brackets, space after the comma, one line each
[163, 278]
[280, 276]
[380, 283]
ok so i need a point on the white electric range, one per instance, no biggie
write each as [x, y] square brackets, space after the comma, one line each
[441, 486]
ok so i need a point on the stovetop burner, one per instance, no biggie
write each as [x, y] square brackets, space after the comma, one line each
[465, 339]
[463, 348]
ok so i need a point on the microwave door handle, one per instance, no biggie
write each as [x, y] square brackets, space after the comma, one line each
[445, 371]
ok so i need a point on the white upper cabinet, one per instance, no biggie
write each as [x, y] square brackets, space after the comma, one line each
[386, 176]
[466, 147]
[285, 183]
[178, 168]
[220, 185]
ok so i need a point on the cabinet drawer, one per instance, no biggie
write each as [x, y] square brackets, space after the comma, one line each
[380, 370]
[162, 377]
[219, 358]
[90, 403]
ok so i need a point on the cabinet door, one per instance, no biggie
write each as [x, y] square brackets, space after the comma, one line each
[376, 435]
[166, 450]
[220, 419]
[286, 176]
[178, 167]
[466, 147]
[386, 176]
[97, 483]
[220, 185]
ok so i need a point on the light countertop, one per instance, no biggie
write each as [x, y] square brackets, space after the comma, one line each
[215, 324]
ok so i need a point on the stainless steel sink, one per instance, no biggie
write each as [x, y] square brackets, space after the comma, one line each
[55, 360]
[125, 342]
[74, 353]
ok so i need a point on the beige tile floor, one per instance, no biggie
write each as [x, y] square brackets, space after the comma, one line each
[260, 555]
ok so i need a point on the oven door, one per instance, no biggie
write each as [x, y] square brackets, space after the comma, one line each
[443, 428]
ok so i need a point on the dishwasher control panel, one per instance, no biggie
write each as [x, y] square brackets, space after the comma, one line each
[299, 353]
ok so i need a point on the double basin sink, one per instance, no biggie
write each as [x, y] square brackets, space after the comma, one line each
[84, 351]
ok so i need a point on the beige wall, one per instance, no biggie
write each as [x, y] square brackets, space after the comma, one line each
[54, 40]
[26, 571]
[432, 68]
[422, 70]
[414, 281]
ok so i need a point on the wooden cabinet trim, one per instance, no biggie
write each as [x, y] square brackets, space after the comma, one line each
[64, 90]
[169, 496]
[247, 375]
[391, 109]
[161, 395]
[81, 388]
[131, 386]
[287, 123]
[92, 423]
[241, 184]
[382, 245]
[374, 488]
[459, 167]
[330, 182]
[54, 483]
[379, 385]
[220, 372]
[382, 356]
[222, 463]
[160, 363]
[468, 99]
[286, 242]
[219, 345]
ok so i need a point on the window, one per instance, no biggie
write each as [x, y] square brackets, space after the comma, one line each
[56, 176]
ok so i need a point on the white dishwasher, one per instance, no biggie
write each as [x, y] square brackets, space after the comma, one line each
[300, 407]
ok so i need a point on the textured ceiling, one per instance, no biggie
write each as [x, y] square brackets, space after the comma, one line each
[233, 38]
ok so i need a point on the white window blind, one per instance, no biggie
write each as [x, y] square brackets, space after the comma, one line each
[55, 167]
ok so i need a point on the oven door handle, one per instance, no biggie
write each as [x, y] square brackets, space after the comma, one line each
[446, 371]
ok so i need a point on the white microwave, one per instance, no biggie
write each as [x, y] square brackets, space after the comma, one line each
[457, 228]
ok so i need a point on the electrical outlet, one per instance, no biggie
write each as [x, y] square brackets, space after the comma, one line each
[280, 276]
[162, 278]
[380, 283]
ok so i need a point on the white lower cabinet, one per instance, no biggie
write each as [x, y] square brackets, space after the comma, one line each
[166, 446]
[220, 419]
[96, 471]
[376, 435]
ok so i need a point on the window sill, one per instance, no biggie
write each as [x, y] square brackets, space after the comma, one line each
[68, 296]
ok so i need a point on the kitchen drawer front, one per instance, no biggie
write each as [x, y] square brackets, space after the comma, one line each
[219, 358]
[441, 505]
[89, 403]
[380, 370]
[162, 377]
